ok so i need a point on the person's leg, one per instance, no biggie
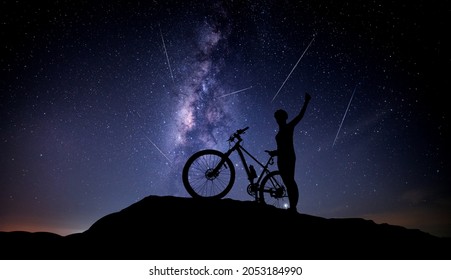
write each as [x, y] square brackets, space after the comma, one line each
[287, 168]
[292, 187]
[293, 194]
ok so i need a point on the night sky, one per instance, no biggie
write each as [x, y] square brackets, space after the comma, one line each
[102, 102]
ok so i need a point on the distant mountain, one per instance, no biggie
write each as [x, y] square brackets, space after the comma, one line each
[185, 228]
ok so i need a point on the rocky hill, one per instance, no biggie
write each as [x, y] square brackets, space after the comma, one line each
[185, 228]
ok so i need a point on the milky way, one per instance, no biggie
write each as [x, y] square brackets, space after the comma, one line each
[199, 112]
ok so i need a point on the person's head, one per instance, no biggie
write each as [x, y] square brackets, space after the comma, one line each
[281, 116]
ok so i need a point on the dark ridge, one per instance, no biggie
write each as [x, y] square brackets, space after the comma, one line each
[186, 228]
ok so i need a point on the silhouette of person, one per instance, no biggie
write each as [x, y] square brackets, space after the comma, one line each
[286, 156]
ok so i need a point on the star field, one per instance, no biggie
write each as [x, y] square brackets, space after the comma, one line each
[102, 103]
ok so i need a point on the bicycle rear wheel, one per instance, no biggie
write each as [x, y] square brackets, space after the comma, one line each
[203, 179]
[273, 191]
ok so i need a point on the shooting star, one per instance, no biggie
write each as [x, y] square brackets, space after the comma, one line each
[161, 152]
[167, 57]
[293, 68]
[344, 116]
[235, 92]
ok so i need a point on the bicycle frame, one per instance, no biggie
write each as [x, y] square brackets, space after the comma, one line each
[240, 149]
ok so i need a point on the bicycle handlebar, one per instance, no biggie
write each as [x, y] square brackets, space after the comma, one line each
[241, 131]
[237, 134]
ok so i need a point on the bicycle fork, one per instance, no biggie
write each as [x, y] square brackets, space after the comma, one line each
[215, 172]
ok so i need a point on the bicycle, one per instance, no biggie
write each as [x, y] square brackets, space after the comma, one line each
[210, 173]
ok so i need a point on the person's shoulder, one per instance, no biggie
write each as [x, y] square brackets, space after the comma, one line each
[292, 124]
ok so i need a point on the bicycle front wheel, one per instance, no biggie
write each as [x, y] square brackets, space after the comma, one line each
[204, 178]
[273, 191]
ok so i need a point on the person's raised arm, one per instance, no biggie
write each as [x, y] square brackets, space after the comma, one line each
[299, 117]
